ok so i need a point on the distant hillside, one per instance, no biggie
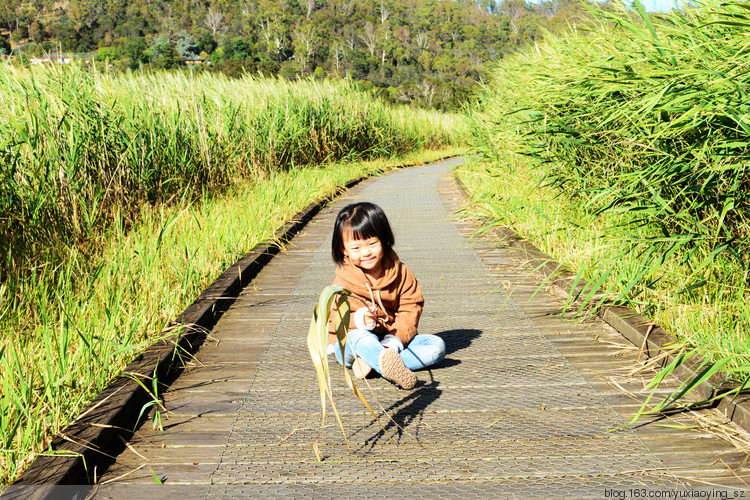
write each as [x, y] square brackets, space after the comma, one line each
[430, 53]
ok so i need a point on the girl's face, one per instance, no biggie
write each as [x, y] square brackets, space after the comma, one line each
[366, 254]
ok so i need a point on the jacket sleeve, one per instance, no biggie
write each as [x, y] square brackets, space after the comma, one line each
[410, 304]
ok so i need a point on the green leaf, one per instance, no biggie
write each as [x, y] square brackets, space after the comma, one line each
[156, 478]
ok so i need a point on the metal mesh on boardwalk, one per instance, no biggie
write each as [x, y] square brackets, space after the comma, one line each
[505, 414]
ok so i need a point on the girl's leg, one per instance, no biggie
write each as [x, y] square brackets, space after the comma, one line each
[387, 362]
[423, 351]
[364, 344]
[348, 354]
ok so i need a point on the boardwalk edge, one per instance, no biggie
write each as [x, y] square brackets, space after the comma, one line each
[650, 337]
[84, 442]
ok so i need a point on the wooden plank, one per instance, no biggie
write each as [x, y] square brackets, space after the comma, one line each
[246, 356]
[209, 374]
[192, 455]
[235, 393]
[225, 405]
[183, 437]
[216, 370]
[169, 474]
[122, 489]
[190, 386]
[232, 338]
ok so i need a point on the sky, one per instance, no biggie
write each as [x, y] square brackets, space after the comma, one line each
[654, 5]
[658, 5]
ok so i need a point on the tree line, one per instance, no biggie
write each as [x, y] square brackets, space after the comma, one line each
[430, 53]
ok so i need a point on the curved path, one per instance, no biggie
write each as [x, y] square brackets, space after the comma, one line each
[523, 406]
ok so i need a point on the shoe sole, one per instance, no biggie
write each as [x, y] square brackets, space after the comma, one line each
[392, 367]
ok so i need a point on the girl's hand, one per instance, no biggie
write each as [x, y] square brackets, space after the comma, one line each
[364, 318]
[371, 317]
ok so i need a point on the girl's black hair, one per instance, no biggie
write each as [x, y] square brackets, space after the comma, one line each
[363, 220]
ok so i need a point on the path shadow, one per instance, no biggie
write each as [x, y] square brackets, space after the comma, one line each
[402, 417]
[458, 339]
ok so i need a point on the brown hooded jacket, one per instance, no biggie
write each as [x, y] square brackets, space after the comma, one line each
[396, 294]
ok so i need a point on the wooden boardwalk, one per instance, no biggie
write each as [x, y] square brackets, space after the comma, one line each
[525, 404]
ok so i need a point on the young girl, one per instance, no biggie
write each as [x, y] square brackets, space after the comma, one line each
[386, 300]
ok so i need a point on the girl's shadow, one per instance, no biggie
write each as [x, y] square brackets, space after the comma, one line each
[407, 413]
[456, 340]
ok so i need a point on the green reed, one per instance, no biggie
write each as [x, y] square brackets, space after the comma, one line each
[79, 322]
[638, 129]
[77, 145]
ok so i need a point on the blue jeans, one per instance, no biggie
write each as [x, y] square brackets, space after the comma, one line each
[422, 351]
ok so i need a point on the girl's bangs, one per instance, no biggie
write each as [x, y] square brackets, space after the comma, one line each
[362, 229]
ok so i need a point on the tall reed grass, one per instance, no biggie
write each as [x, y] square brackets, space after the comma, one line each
[637, 127]
[122, 197]
[77, 146]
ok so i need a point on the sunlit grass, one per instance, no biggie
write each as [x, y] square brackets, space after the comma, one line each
[621, 150]
[713, 321]
[76, 147]
[90, 317]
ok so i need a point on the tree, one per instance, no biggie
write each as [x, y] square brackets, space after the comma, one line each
[442, 64]
[105, 53]
[168, 58]
[389, 44]
[78, 13]
[4, 46]
[135, 50]
[186, 47]
[345, 7]
[274, 35]
[422, 41]
[65, 32]
[164, 54]
[214, 20]
[515, 10]
[305, 43]
[206, 42]
[36, 32]
[9, 12]
[310, 6]
[425, 60]
[368, 37]
[337, 54]
[240, 49]
[383, 13]
[290, 70]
